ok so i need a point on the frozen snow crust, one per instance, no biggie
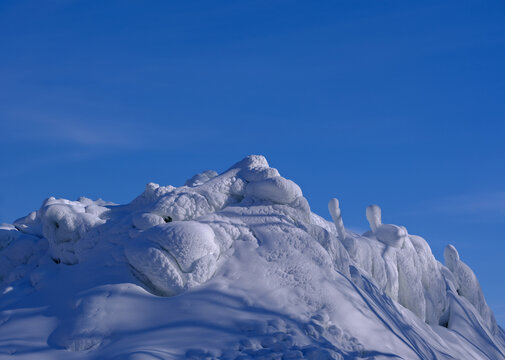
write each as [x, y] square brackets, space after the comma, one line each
[231, 266]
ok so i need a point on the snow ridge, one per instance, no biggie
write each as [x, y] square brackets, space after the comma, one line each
[231, 265]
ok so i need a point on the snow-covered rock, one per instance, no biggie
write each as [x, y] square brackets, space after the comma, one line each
[231, 266]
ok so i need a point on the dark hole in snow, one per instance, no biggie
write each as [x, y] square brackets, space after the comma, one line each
[57, 225]
[56, 261]
[444, 323]
[459, 292]
[167, 219]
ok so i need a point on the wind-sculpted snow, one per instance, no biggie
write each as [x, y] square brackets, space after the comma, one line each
[465, 283]
[408, 274]
[231, 266]
[388, 234]
[64, 224]
[170, 257]
[336, 215]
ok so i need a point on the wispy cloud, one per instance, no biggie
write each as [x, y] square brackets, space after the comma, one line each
[42, 159]
[41, 127]
[81, 131]
[480, 206]
[36, 139]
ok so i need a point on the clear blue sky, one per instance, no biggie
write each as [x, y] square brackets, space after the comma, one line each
[398, 103]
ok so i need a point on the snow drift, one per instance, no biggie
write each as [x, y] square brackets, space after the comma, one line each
[231, 266]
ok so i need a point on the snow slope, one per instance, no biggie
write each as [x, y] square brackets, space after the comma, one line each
[231, 266]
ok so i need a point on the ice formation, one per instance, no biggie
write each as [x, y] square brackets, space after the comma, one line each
[389, 234]
[334, 209]
[231, 265]
[465, 283]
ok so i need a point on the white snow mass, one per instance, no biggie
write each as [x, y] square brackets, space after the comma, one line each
[231, 266]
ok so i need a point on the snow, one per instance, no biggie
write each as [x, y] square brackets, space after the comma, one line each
[389, 234]
[334, 209]
[467, 285]
[201, 178]
[275, 189]
[155, 269]
[144, 221]
[173, 256]
[186, 241]
[231, 265]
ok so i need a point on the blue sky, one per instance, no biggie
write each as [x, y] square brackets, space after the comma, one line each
[392, 102]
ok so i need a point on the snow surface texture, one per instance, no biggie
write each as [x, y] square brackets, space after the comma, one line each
[231, 266]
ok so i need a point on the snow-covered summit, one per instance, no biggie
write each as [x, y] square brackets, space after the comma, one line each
[231, 265]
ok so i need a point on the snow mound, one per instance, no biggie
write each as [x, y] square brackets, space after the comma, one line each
[231, 266]
[64, 223]
[275, 189]
[186, 241]
[174, 256]
[156, 269]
